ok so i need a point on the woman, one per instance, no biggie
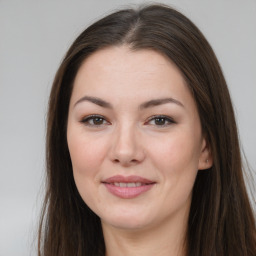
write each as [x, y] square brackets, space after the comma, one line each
[143, 154]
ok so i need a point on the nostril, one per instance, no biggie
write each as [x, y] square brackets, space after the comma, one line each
[126, 162]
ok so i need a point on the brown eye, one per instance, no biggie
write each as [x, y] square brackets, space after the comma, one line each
[97, 120]
[94, 120]
[160, 121]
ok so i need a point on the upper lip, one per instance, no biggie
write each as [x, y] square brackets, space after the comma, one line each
[127, 179]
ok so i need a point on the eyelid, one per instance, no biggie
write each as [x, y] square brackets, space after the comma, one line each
[167, 118]
[85, 120]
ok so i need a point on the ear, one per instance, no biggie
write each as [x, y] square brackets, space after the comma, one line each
[205, 160]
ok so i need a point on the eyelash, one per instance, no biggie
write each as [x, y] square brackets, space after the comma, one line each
[93, 118]
[164, 118]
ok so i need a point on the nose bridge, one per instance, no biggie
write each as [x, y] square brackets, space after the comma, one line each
[126, 147]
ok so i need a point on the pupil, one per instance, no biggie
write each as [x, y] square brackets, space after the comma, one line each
[160, 121]
[97, 120]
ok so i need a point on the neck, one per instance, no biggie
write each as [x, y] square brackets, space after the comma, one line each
[166, 239]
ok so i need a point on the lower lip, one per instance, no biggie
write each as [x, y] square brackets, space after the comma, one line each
[128, 192]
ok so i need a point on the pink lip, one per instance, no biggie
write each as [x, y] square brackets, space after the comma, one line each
[126, 179]
[128, 192]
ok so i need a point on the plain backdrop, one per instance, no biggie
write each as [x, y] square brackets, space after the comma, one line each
[34, 35]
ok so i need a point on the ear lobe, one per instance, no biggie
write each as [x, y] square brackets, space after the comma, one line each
[205, 160]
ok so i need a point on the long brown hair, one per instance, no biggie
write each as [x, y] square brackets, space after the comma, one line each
[221, 220]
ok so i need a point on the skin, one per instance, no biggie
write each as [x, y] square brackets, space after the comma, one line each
[129, 140]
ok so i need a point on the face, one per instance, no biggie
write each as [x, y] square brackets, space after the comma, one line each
[134, 137]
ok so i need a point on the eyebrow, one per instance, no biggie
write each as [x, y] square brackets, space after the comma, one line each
[96, 101]
[157, 102]
[147, 104]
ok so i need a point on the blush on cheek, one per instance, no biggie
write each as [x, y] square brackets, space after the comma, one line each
[81, 152]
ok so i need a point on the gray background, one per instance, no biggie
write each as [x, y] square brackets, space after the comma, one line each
[34, 35]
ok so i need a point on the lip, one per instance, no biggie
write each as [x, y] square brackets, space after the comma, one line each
[127, 179]
[128, 187]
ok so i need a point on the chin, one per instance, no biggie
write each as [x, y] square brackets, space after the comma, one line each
[127, 221]
[127, 225]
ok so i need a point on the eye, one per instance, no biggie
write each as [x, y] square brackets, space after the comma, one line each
[94, 120]
[161, 121]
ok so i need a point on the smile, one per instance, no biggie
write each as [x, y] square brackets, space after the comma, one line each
[128, 187]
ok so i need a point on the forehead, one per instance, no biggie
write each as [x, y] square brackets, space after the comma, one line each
[123, 60]
[119, 72]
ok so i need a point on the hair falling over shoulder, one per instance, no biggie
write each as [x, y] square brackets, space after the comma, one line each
[221, 220]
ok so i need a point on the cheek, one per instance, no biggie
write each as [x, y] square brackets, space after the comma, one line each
[177, 151]
[86, 153]
[177, 161]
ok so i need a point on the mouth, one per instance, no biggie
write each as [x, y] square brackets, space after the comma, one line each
[129, 184]
[128, 187]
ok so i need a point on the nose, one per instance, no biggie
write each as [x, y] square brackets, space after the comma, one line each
[126, 148]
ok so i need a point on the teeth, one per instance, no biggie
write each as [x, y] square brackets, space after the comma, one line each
[127, 185]
[122, 185]
[131, 185]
